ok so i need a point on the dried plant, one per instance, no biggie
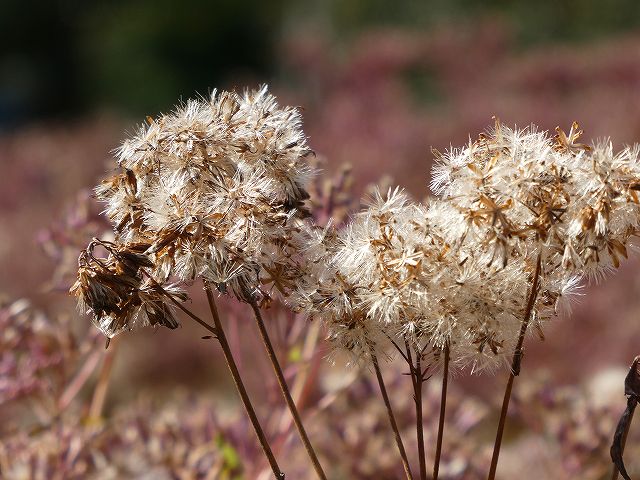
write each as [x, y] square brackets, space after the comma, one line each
[366, 87]
[215, 192]
[559, 208]
[521, 219]
[218, 191]
[215, 189]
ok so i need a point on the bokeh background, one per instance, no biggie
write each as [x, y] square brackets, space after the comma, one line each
[380, 85]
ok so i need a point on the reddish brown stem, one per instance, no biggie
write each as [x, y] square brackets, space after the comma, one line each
[616, 472]
[88, 366]
[417, 389]
[192, 315]
[284, 388]
[392, 418]
[515, 369]
[306, 372]
[100, 392]
[443, 406]
[233, 368]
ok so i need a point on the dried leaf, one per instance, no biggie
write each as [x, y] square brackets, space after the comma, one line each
[632, 390]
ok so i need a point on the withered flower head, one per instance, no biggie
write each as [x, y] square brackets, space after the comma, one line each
[118, 293]
[392, 275]
[216, 189]
[457, 271]
[522, 195]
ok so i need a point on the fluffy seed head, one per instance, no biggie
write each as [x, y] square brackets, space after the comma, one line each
[217, 190]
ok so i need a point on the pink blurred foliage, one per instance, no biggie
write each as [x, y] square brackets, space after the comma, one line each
[383, 101]
[43, 169]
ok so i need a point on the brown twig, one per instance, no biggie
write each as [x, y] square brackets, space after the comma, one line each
[515, 369]
[284, 388]
[100, 392]
[443, 406]
[302, 374]
[218, 333]
[418, 380]
[233, 368]
[632, 392]
[180, 306]
[616, 471]
[88, 366]
[392, 418]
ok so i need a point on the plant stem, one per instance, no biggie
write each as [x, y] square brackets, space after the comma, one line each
[616, 472]
[515, 369]
[417, 389]
[233, 368]
[88, 366]
[100, 392]
[305, 372]
[284, 388]
[218, 333]
[392, 418]
[443, 406]
[180, 306]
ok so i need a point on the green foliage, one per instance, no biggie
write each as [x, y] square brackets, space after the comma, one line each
[533, 22]
[135, 56]
[142, 53]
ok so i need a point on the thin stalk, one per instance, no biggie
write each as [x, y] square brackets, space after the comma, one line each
[515, 369]
[88, 366]
[616, 472]
[284, 388]
[218, 333]
[100, 392]
[180, 306]
[302, 375]
[417, 389]
[443, 406]
[392, 418]
[233, 368]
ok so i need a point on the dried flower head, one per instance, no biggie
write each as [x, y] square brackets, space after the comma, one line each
[118, 294]
[458, 271]
[392, 275]
[216, 190]
[523, 195]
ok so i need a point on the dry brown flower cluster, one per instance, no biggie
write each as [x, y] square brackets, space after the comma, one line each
[457, 269]
[215, 189]
[117, 292]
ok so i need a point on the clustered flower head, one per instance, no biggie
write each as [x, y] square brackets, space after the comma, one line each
[458, 270]
[216, 191]
[393, 275]
[523, 193]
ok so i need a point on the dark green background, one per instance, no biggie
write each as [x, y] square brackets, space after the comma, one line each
[60, 58]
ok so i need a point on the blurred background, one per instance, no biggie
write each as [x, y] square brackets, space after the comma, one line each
[379, 85]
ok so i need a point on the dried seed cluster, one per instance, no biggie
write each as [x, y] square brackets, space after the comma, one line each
[217, 191]
[458, 270]
[118, 294]
[392, 275]
[522, 193]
